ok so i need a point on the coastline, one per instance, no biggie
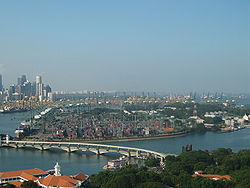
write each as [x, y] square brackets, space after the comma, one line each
[128, 139]
[138, 139]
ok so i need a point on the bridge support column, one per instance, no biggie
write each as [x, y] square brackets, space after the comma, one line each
[98, 151]
[129, 154]
[42, 148]
[162, 161]
[69, 150]
[16, 146]
[137, 154]
[7, 139]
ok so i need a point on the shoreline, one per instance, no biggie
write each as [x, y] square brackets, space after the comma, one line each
[140, 139]
[129, 139]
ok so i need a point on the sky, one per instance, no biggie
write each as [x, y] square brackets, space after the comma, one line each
[132, 45]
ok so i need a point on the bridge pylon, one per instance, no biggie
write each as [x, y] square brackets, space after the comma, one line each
[98, 151]
[68, 149]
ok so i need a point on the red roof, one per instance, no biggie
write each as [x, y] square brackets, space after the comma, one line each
[58, 181]
[213, 176]
[28, 177]
[17, 173]
[80, 177]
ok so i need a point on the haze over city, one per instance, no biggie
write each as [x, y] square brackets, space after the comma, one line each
[172, 46]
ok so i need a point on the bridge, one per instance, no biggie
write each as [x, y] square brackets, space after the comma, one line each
[98, 149]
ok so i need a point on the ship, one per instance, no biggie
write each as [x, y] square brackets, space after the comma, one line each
[117, 163]
[13, 110]
[22, 130]
[25, 123]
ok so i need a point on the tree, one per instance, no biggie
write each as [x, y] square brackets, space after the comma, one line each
[152, 162]
[200, 166]
[200, 128]
[220, 154]
[215, 120]
[200, 182]
[193, 157]
[241, 177]
[29, 184]
[151, 185]
[126, 177]
[7, 185]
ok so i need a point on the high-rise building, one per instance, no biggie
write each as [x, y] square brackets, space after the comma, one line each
[39, 88]
[11, 91]
[19, 81]
[51, 96]
[1, 83]
[33, 89]
[23, 79]
[26, 89]
[38, 79]
[46, 90]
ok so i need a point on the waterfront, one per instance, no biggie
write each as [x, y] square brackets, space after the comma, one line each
[13, 159]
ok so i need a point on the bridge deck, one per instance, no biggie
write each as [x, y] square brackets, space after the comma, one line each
[80, 144]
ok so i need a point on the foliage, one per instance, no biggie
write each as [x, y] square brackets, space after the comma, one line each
[215, 120]
[242, 177]
[238, 111]
[134, 107]
[203, 108]
[130, 176]
[98, 111]
[199, 128]
[7, 185]
[152, 162]
[200, 182]
[151, 185]
[181, 113]
[178, 172]
[29, 184]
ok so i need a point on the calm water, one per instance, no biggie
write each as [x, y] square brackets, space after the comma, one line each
[13, 159]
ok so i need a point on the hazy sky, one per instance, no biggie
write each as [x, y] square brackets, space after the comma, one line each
[133, 45]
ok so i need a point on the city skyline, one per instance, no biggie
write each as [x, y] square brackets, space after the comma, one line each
[38, 80]
[24, 89]
[170, 46]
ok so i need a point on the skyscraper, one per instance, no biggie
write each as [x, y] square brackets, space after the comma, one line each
[46, 90]
[38, 79]
[39, 88]
[1, 83]
[23, 79]
[19, 81]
